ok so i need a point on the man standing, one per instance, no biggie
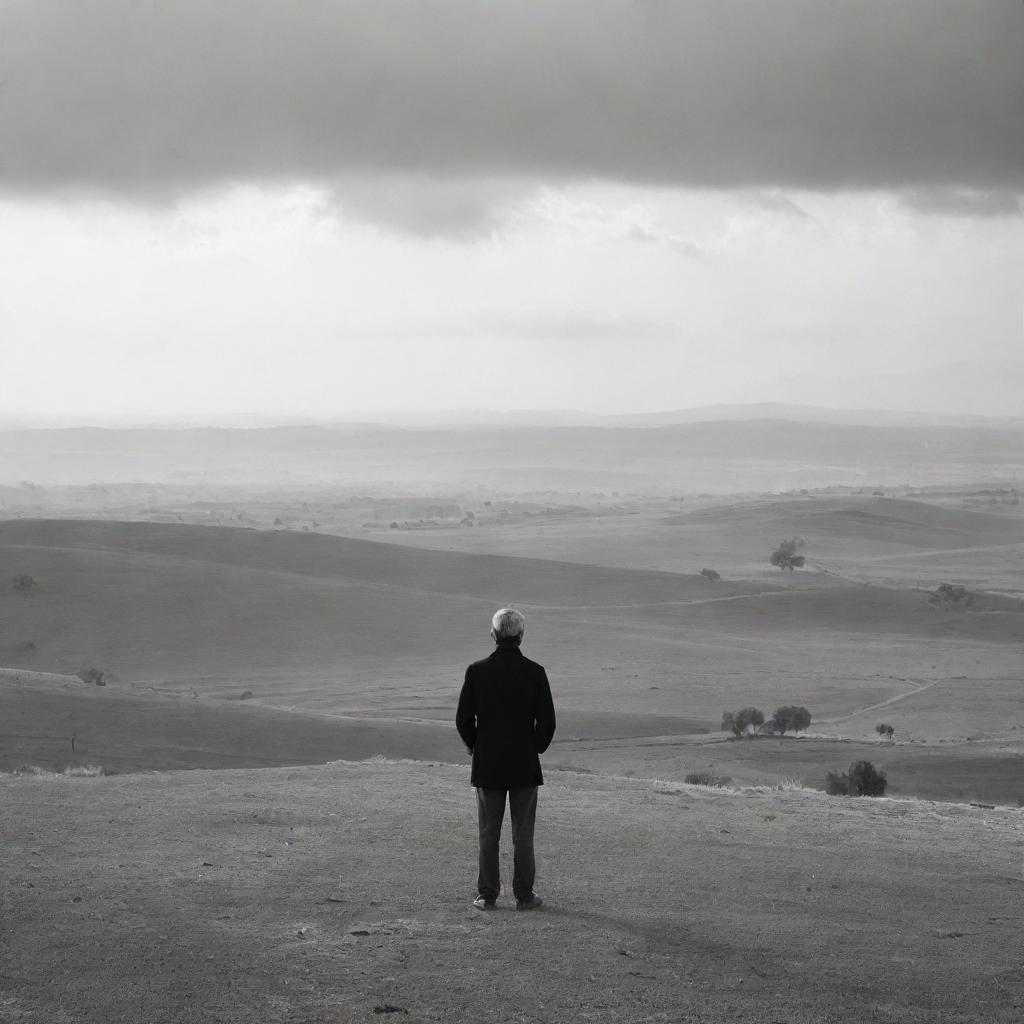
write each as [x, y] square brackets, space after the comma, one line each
[506, 718]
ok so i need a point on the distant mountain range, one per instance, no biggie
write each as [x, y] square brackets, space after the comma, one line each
[946, 395]
[721, 450]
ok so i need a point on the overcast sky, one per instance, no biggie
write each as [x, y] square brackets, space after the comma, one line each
[318, 210]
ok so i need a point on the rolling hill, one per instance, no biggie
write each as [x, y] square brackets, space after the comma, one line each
[382, 633]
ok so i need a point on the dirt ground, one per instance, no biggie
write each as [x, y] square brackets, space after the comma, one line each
[342, 893]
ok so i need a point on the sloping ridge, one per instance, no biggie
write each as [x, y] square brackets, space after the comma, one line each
[159, 602]
[902, 520]
[363, 561]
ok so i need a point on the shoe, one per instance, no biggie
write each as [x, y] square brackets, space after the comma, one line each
[530, 904]
[483, 904]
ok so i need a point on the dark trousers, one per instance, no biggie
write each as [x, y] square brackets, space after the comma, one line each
[522, 806]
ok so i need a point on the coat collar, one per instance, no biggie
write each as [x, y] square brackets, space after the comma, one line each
[503, 646]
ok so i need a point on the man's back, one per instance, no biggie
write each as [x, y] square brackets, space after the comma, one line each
[507, 718]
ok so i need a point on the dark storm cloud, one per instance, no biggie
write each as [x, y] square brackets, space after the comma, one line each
[147, 98]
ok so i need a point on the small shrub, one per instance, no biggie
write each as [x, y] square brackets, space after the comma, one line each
[706, 778]
[951, 594]
[837, 784]
[92, 675]
[785, 555]
[710, 574]
[24, 584]
[862, 779]
[884, 730]
[866, 779]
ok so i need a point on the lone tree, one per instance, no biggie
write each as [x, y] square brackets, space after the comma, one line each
[884, 730]
[24, 585]
[785, 555]
[862, 779]
[790, 718]
[742, 722]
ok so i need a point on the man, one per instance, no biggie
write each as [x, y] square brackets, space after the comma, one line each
[506, 718]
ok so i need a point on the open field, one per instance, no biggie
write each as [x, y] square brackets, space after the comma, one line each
[894, 541]
[123, 731]
[129, 731]
[330, 894]
[363, 644]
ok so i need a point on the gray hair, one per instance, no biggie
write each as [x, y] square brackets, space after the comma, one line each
[508, 624]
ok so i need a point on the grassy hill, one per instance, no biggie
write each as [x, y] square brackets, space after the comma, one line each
[896, 541]
[320, 623]
[129, 731]
[59, 723]
[342, 893]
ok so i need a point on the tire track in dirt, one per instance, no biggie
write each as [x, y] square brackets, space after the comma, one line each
[882, 704]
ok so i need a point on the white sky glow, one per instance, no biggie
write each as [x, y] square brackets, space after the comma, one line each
[277, 302]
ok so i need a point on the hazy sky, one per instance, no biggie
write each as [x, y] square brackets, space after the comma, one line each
[286, 211]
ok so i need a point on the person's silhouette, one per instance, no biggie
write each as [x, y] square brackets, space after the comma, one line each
[506, 718]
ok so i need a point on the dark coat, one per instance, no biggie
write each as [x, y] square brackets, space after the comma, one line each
[506, 718]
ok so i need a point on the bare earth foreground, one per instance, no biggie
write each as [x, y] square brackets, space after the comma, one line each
[342, 892]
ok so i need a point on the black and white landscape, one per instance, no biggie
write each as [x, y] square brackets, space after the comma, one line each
[692, 330]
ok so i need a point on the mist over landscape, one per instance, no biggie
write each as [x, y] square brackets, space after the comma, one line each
[692, 332]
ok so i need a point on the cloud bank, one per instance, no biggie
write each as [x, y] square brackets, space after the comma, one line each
[147, 99]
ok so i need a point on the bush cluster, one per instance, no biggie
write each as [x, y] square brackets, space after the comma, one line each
[785, 555]
[862, 779]
[951, 594]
